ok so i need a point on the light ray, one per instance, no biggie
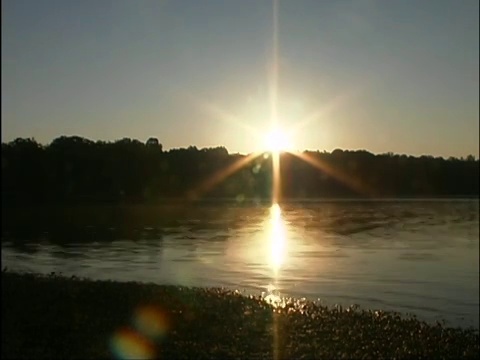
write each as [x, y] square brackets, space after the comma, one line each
[274, 70]
[277, 257]
[276, 154]
[329, 107]
[276, 185]
[220, 175]
[274, 105]
[353, 184]
[223, 115]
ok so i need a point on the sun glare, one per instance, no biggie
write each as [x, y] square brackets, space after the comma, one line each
[277, 239]
[276, 140]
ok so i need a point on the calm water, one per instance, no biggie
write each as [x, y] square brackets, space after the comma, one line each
[420, 257]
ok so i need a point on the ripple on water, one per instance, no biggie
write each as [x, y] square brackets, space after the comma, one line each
[370, 247]
[410, 256]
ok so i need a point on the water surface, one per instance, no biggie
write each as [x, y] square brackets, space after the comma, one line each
[420, 257]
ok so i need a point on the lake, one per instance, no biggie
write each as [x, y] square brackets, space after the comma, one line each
[412, 256]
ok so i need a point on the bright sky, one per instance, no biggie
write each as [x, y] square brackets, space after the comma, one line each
[382, 75]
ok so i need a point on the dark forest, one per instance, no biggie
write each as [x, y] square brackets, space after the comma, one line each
[77, 170]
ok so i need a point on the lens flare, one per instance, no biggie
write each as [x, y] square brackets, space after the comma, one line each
[151, 322]
[128, 344]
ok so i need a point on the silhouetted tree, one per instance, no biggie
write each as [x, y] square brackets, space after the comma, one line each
[73, 169]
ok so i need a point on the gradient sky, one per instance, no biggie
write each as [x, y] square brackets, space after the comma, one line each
[383, 75]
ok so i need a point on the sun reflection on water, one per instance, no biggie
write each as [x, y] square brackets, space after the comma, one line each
[278, 240]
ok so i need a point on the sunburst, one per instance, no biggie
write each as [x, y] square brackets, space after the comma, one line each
[276, 140]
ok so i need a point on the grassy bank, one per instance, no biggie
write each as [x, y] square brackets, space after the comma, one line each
[54, 317]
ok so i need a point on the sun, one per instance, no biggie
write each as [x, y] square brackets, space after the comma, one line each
[276, 140]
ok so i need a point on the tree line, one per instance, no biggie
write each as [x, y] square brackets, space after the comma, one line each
[76, 170]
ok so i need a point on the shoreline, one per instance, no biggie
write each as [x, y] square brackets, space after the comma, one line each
[260, 201]
[59, 317]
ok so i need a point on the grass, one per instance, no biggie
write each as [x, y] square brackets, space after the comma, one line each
[57, 317]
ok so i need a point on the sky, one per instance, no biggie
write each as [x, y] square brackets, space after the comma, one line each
[397, 76]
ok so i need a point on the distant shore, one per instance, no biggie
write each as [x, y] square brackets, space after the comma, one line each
[75, 170]
[57, 317]
[173, 201]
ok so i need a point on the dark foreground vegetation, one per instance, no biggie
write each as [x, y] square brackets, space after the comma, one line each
[55, 317]
[75, 169]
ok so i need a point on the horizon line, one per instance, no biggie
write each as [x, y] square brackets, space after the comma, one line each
[243, 153]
